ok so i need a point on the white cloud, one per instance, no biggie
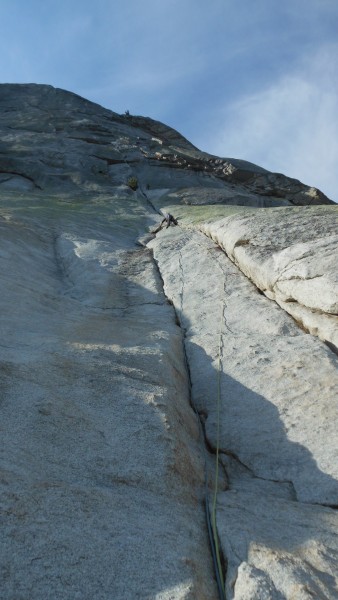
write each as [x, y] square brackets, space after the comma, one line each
[291, 126]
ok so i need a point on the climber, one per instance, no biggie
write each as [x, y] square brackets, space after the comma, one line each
[168, 219]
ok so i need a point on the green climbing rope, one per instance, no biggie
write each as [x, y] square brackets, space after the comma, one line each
[218, 409]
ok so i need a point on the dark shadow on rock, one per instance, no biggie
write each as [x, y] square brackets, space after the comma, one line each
[252, 431]
[269, 541]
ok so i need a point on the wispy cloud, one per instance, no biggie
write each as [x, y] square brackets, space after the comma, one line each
[291, 126]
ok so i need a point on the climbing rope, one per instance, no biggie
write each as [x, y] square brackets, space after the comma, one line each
[219, 571]
[210, 514]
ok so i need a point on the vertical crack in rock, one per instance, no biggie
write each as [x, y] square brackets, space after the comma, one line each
[99, 441]
[148, 200]
[206, 446]
[269, 460]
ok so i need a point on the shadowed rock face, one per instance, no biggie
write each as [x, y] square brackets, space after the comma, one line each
[116, 343]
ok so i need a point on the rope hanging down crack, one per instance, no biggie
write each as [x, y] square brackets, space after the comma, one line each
[210, 515]
[215, 540]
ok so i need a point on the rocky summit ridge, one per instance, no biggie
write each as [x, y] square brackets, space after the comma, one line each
[130, 360]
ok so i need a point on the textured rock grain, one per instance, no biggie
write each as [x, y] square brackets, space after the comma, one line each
[102, 459]
[291, 255]
[276, 410]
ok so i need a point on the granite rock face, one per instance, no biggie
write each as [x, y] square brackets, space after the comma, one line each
[291, 255]
[277, 529]
[67, 142]
[126, 360]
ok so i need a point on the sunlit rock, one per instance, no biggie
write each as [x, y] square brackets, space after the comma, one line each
[127, 359]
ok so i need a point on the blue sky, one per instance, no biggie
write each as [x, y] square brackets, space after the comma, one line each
[250, 79]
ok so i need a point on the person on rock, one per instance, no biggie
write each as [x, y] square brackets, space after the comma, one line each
[168, 219]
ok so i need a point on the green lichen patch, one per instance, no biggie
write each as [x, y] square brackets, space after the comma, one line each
[195, 215]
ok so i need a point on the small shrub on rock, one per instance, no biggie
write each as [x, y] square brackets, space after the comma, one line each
[133, 183]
